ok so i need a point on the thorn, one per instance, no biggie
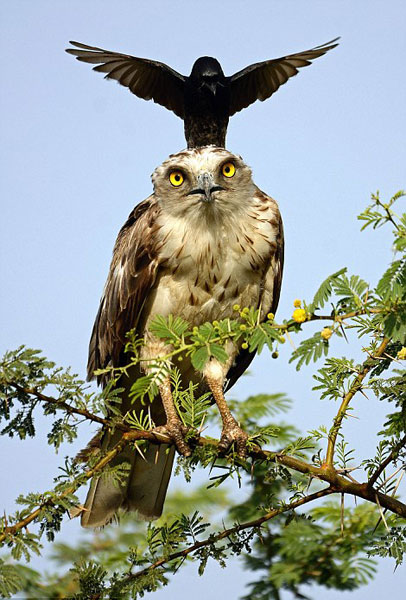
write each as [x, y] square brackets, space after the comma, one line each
[290, 340]
[342, 515]
[382, 513]
[139, 451]
[398, 482]
[343, 332]
[259, 312]
[390, 477]
[349, 414]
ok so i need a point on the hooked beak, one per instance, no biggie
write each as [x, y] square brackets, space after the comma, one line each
[206, 186]
[213, 86]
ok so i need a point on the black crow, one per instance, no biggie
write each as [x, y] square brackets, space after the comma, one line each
[205, 99]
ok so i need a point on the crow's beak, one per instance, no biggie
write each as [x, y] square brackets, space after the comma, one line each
[206, 186]
[211, 85]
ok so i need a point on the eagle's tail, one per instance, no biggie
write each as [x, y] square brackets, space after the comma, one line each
[143, 490]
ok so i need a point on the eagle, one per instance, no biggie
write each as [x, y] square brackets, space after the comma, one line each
[206, 239]
[205, 99]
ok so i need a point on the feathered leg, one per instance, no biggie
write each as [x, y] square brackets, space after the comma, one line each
[173, 426]
[232, 432]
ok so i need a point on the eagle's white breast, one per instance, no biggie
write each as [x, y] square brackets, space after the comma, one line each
[213, 260]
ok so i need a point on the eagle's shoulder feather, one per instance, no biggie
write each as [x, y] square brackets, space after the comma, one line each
[132, 273]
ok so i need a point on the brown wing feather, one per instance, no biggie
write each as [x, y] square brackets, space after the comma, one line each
[260, 80]
[147, 79]
[272, 281]
[133, 271]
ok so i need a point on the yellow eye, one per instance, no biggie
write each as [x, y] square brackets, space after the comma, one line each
[176, 178]
[228, 169]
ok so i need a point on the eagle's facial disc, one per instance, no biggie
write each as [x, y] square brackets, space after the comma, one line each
[210, 183]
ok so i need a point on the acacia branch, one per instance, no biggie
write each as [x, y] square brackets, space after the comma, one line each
[349, 315]
[337, 483]
[132, 436]
[356, 386]
[67, 407]
[12, 529]
[212, 539]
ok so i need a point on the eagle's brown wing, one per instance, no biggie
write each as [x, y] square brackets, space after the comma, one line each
[133, 272]
[271, 289]
[147, 79]
[260, 80]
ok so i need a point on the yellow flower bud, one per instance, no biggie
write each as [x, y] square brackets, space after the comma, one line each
[244, 346]
[236, 307]
[402, 353]
[299, 315]
[326, 333]
[270, 316]
[275, 354]
[243, 327]
[282, 340]
[297, 303]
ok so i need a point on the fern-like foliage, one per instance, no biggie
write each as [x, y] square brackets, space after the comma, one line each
[309, 350]
[325, 291]
[392, 544]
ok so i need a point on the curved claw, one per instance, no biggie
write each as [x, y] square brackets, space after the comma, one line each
[176, 431]
[233, 434]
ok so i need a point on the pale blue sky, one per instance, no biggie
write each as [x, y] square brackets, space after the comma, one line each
[78, 151]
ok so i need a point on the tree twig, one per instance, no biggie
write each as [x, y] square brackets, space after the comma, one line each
[338, 484]
[393, 454]
[67, 407]
[228, 532]
[356, 386]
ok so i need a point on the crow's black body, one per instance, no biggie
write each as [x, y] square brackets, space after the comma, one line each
[207, 104]
[206, 99]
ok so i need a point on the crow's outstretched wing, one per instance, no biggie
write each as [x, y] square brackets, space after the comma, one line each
[147, 79]
[260, 80]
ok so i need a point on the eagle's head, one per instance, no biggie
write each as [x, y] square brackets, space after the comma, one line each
[203, 182]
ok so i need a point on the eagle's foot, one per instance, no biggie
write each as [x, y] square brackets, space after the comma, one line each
[233, 434]
[176, 431]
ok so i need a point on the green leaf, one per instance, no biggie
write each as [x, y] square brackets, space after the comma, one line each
[324, 292]
[218, 352]
[350, 290]
[263, 334]
[393, 544]
[392, 284]
[200, 357]
[171, 328]
[311, 349]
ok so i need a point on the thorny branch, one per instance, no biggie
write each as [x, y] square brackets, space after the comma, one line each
[327, 473]
[212, 539]
[62, 405]
[12, 529]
